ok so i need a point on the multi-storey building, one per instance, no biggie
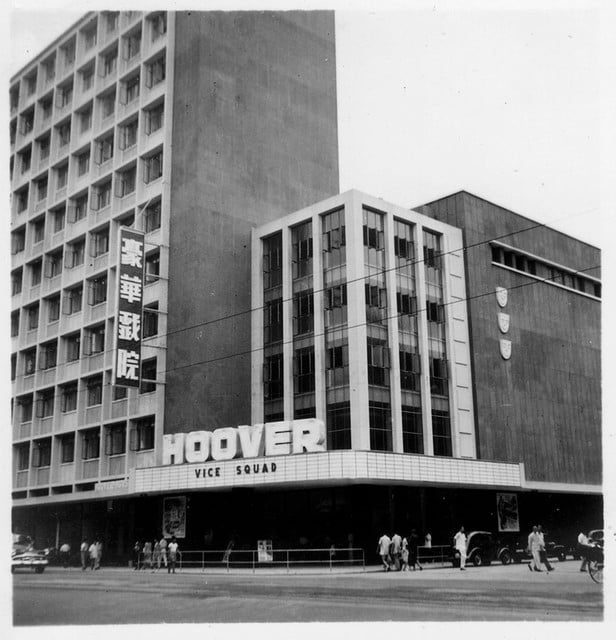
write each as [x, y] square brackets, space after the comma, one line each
[190, 127]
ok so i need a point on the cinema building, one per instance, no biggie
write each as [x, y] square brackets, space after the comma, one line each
[310, 368]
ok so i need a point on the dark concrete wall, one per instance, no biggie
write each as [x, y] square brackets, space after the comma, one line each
[254, 137]
[543, 406]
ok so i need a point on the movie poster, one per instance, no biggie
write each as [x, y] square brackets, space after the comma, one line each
[174, 517]
[507, 512]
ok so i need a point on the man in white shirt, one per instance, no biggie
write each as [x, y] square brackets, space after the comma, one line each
[172, 551]
[535, 541]
[396, 550]
[459, 543]
[583, 545]
[383, 550]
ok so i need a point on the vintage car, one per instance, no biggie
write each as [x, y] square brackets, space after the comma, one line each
[482, 548]
[29, 560]
[519, 549]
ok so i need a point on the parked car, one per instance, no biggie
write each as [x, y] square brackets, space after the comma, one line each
[30, 560]
[520, 553]
[482, 548]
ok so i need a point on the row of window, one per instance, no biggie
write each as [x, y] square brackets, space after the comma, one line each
[42, 404]
[101, 151]
[130, 47]
[524, 263]
[38, 453]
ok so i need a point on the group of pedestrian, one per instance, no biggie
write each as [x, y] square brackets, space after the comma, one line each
[399, 554]
[91, 555]
[153, 555]
[536, 547]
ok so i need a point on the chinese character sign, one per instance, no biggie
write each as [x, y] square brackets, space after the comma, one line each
[127, 364]
[507, 512]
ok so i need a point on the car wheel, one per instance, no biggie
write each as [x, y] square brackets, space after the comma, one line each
[477, 560]
[39, 569]
[562, 556]
[505, 557]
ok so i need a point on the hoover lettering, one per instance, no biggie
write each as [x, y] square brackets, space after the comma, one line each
[270, 439]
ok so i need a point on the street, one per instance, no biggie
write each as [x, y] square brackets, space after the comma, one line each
[122, 596]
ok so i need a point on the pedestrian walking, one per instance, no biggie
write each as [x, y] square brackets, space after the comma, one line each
[163, 550]
[99, 554]
[414, 551]
[404, 555]
[383, 550]
[396, 549]
[92, 551]
[83, 552]
[586, 547]
[156, 555]
[172, 552]
[534, 546]
[459, 543]
[147, 555]
[136, 555]
[543, 554]
[65, 552]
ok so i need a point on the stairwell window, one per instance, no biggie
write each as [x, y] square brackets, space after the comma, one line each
[153, 167]
[155, 72]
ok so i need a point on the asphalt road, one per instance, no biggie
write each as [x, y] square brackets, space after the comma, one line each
[122, 596]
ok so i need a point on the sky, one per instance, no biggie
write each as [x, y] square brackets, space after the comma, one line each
[502, 99]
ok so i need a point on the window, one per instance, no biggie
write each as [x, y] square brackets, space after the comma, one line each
[438, 377]
[30, 82]
[110, 60]
[89, 37]
[90, 444]
[159, 25]
[73, 300]
[380, 426]
[272, 321]
[119, 393]
[97, 290]
[125, 182]
[441, 433]
[67, 448]
[87, 78]
[75, 252]
[22, 199]
[43, 147]
[41, 453]
[64, 95]
[69, 397]
[148, 376]
[58, 216]
[53, 264]
[26, 404]
[303, 373]
[128, 135]
[68, 51]
[103, 150]
[23, 456]
[142, 434]
[435, 312]
[339, 426]
[36, 272]
[107, 103]
[101, 196]
[303, 312]
[85, 119]
[412, 432]
[45, 403]
[16, 281]
[94, 391]
[94, 340]
[61, 176]
[78, 208]
[14, 98]
[18, 241]
[111, 20]
[49, 68]
[151, 216]
[272, 377]
[33, 316]
[132, 44]
[25, 158]
[53, 309]
[154, 118]
[49, 355]
[99, 242]
[152, 267]
[153, 167]
[39, 229]
[150, 320]
[272, 261]
[12, 131]
[15, 323]
[409, 370]
[432, 254]
[46, 105]
[64, 133]
[115, 439]
[27, 122]
[155, 72]
[41, 187]
[130, 89]
[72, 344]
[83, 162]
[378, 363]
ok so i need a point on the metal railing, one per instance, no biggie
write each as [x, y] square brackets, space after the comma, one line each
[285, 559]
[436, 553]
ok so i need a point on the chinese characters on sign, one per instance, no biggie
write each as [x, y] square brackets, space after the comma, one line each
[127, 365]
